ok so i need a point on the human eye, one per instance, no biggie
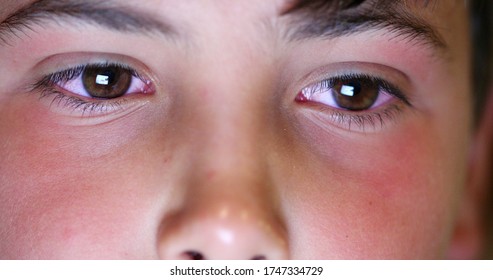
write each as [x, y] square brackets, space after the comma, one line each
[93, 88]
[359, 99]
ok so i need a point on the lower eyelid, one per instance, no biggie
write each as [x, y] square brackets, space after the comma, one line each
[73, 106]
[327, 118]
[60, 100]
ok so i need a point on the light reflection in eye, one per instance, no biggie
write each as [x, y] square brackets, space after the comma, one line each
[103, 80]
[347, 90]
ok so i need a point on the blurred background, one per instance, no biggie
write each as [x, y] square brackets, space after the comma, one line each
[482, 31]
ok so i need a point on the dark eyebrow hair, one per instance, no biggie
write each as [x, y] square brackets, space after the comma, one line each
[103, 13]
[336, 18]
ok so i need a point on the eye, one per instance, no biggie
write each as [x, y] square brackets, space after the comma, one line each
[350, 92]
[101, 81]
[93, 89]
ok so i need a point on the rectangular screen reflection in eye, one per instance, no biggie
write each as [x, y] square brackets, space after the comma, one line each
[102, 80]
[347, 90]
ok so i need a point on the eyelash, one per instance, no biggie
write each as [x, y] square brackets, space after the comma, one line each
[363, 118]
[48, 87]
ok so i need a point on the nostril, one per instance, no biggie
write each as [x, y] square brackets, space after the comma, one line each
[194, 255]
[226, 231]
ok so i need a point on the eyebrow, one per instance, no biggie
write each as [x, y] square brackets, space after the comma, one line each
[313, 19]
[102, 13]
[336, 18]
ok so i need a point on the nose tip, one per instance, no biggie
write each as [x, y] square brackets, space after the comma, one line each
[227, 232]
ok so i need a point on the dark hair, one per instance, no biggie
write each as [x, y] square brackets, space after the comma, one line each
[482, 46]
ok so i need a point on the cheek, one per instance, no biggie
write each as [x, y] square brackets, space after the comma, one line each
[387, 196]
[67, 192]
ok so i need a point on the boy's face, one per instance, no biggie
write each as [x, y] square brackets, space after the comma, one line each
[244, 133]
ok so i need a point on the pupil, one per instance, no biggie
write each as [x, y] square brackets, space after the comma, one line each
[356, 87]
[106, 82]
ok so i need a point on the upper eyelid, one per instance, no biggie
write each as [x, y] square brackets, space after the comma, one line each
[80, 68]
[48, 82]
[388, 86]
[362, 68]
[65, 61]
[73, 72]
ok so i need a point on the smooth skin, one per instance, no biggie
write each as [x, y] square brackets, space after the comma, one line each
[220, 159]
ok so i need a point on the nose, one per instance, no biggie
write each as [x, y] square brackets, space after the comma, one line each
[230, 208]
[231, 212]
[224, 218]
[222, 230]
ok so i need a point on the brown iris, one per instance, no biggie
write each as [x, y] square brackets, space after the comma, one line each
[106, 82]
[355, 94]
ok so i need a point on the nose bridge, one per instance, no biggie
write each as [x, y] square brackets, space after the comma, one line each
[232, 111]
[231, 156]
[233, 144]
